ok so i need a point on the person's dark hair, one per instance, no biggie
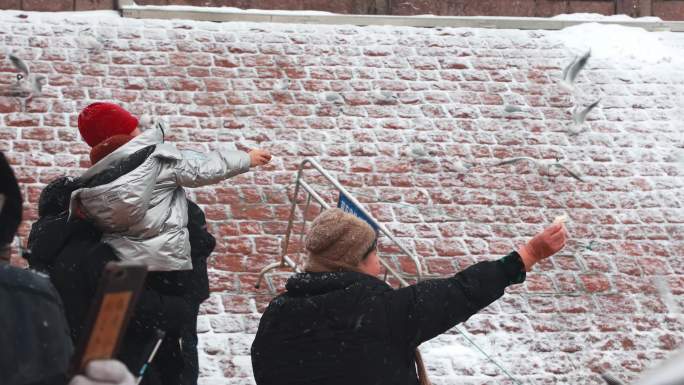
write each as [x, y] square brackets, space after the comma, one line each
[10, 213]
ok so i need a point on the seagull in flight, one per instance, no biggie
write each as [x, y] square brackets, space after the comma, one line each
[512, 109]
[610, 379]
[571, 71]
[545, 166]
[19, 64]
[579, 116]
[27, 85]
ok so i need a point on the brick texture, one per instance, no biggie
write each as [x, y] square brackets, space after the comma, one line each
[425, 7]
[48, 5]
[669, 10]
[602, 7]
[363, 100]
[627, 7]
[548, 8]
[90, 5]
[10, 4]
[499, 7]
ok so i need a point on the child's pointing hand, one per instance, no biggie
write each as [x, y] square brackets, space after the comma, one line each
[259, 157]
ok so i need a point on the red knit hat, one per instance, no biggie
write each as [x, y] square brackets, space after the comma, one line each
[108, 146]
[100, 121]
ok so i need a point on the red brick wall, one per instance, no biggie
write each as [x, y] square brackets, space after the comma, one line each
[57, 5]
[595, 306]
[666, 9]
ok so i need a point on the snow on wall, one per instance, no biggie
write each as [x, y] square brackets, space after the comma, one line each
[396, 113]
[588, 17]
[616, 43]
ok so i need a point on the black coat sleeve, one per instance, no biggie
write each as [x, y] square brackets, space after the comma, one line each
[425, 310]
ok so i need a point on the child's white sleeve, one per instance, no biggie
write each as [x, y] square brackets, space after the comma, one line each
[197, 169]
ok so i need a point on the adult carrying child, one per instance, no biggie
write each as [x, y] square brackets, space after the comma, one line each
[134, 191]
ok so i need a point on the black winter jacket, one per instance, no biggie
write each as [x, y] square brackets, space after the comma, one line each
[350, 328]
[10, 209]
[181, 366]
[75, 269]
[35, 347]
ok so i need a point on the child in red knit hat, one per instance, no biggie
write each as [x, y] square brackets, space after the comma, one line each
[134, 190]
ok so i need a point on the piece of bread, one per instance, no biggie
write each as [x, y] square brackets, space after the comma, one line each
[560, 219]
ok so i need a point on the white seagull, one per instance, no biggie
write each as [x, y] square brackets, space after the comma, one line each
[571, 71]
[541, 166]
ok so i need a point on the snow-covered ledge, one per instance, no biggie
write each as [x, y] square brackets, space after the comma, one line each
[128, 8]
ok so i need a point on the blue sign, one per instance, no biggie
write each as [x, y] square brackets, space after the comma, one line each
[348, 206]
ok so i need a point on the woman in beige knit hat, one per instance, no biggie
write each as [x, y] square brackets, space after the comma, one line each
[338, 324]
[339, 241]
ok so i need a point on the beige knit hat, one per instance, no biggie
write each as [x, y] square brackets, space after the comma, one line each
[338, 241]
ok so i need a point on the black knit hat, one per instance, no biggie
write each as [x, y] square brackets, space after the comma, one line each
[10, 213]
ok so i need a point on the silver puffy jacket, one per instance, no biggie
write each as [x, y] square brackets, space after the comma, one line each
[144, 213]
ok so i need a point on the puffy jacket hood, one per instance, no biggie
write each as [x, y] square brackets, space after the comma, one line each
[152, 137]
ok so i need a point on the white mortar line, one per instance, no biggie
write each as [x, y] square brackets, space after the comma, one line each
[128, 8]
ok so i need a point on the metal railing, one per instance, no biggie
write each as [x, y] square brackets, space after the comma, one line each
[311, 194]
